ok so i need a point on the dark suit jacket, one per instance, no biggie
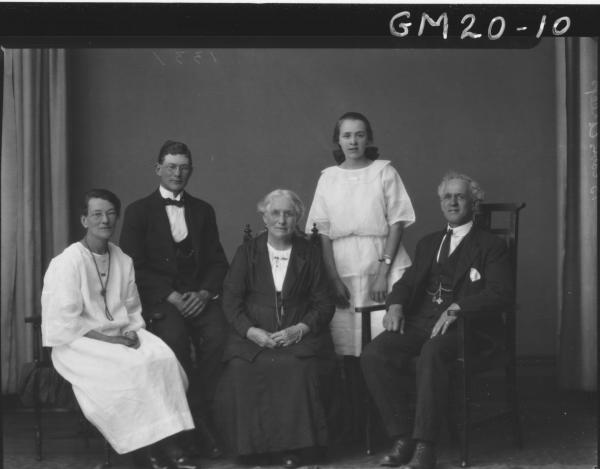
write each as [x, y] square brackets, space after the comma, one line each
[146, 237]
[249, 298]
[482, 255]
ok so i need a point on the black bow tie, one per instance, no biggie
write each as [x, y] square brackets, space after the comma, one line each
[177, 203]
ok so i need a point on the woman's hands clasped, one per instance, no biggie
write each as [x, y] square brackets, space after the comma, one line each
[128, 339]
[260, 337]
[288, 336]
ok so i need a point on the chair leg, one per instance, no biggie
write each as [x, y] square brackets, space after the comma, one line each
[513, 403]
[38, 431]
[465, 417]
[107, 452]
[368, 424]
[353, 376]
[37, 408]
[84, 426]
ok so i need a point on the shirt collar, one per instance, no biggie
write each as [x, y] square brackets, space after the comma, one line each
[167, 194]
[462, 230]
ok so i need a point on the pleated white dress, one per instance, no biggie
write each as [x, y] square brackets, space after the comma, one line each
[355, 208]
[135, 397]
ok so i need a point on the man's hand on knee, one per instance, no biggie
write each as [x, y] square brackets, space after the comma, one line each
[445, 320]
[394, 319]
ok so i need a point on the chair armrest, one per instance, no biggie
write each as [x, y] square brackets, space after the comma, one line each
[478, 313]
[369, 309]
[366, 311]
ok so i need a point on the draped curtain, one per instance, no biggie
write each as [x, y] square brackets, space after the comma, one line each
[34, 188]
[577, 112]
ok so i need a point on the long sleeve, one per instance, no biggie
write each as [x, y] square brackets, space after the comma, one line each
[321, 306]
[497, 291]
[402, 289]
[132, 302]
[216, 261]
[398, 204]
[234, 293]
[154, 285]
[62, 303]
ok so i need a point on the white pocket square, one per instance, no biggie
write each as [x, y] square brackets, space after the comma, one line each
[474, 275]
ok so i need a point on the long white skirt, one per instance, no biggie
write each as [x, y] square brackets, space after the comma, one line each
[135, 397]
[356, 260]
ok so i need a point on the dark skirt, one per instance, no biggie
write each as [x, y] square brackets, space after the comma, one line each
[271, 404]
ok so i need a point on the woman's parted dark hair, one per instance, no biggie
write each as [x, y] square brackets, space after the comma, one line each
[371, 151]
[103, 194]
[171, 147]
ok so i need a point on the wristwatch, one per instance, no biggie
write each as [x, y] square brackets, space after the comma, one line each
[387, 260]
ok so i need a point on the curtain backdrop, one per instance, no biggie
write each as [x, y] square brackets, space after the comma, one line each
[34, 186]
[577, 64]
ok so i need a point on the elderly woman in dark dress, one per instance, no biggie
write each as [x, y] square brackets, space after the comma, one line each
[277, 301]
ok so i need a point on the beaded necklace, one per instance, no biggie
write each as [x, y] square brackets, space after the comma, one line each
[105, 284]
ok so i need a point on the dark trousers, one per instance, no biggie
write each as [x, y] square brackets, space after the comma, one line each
[386, 365]
[206, 334]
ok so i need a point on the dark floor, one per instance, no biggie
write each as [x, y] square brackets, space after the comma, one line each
[559, 428]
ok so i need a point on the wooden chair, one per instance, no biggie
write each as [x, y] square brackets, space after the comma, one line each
[503, 221]
[42, 361]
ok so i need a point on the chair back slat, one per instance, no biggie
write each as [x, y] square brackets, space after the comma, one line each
[502, 220]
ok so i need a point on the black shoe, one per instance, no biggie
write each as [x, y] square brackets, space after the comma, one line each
[423, 457]
[175, 455]
[401, 452]
[149, 459]
[183, 462]
[290, 461]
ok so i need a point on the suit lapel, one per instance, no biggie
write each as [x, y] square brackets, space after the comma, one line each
[262, 264]
[191, 221]
[468, 253]
[297, 261]
[431, 252]
[159, 214]
[424, 267]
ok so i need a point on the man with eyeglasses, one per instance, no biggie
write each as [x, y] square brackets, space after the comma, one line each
[461, 267]
[179, 268]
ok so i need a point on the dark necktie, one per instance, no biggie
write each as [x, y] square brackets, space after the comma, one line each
[445, 250]
[177, 203]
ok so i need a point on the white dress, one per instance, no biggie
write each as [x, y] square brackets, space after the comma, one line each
[355, 208]
[135, 397]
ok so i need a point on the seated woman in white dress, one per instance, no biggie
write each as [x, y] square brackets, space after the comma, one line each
[127, 382]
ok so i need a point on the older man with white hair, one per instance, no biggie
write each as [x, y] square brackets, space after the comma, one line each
[461, 267]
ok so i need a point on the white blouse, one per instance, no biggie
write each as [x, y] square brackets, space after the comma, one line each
[360, 202]
[72, 304]
[279, 264]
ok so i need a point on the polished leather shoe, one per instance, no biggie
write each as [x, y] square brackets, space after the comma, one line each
[290, 461]
[183, 462]
[401, 452]
[423, 457]
[149, 460]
